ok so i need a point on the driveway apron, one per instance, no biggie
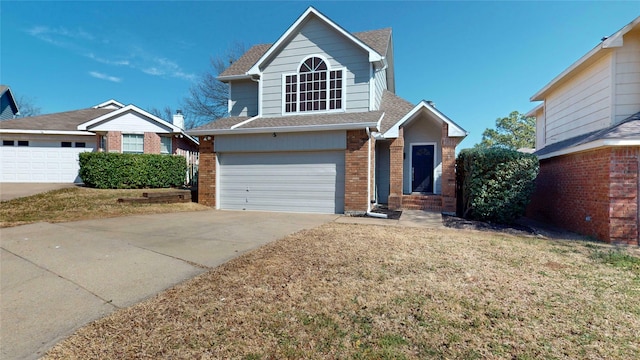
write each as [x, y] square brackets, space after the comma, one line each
[55, 278]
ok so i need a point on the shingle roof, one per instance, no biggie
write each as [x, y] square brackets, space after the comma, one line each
[64, 121]
[395, 108]
[378, 40]
[293, 121]
[246, 61]
[628, 129]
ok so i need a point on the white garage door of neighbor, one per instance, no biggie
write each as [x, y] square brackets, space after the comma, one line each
[311, 182]
[40, 164]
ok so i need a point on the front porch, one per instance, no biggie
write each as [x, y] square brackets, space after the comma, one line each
[430, 202]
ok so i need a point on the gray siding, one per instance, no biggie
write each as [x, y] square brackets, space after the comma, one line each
[380, 82]
[6, 112]
[310, 182]
[316, 38]
[383, 166]
[244, 98]
[304, 141]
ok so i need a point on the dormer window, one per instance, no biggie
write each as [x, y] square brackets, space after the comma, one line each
[314, 88]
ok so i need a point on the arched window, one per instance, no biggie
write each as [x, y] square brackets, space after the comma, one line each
[313, 88]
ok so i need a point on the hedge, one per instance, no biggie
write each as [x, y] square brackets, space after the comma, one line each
[132, 171]
[495, 184]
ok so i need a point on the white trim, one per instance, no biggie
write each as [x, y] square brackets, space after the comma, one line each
[233, 77]
[244, 122]
[454, 129]
[612, 88]
[217, 179]
[301, 128]
[255, 69]
[435, 161]
[590, 146]
[109, 102]
[372, 87]
[45, 132]
[343, 89]
[612, 41]
[122, 143]
[532, 112]
[229, 100]
[86, 125]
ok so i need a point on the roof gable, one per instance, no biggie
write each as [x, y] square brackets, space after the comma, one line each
[6, 91]
[109, 104]
[610, 42]
[88, 125]
[400, 113]
[256, 69]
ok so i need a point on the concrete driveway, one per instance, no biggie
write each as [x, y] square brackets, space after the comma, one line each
[55, 278]
[9, 191]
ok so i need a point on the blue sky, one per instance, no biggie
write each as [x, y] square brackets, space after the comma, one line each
[476, 60]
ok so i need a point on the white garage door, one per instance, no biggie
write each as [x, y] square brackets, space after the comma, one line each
[311, 182]
[40, 164]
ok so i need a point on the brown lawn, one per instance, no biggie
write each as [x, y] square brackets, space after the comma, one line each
[373, 292]
[80, 203]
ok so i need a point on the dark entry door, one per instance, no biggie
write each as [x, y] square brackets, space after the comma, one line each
[422, 159]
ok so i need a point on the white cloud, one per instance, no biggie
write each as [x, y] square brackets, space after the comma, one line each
[102, 60]
[99, 75]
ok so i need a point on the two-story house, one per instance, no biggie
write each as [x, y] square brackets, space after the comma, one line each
[588, 142]
[8, 105]
[315, 126]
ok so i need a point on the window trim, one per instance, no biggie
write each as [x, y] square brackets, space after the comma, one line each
[327, 99]
[132, 152]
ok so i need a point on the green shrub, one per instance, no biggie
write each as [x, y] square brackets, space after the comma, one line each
[132, 171]
[495, 184]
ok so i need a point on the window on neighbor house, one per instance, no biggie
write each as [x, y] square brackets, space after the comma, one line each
[81, 144]
[8, 142]
[65, 144]
[23, 143]
[314, 88]
[132, 143]
[165, 145]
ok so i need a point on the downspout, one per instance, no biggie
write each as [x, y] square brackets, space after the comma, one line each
[259, 109]
[369, 213]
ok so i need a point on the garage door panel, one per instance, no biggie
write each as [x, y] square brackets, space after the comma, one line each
[40, 164]
[293, 182]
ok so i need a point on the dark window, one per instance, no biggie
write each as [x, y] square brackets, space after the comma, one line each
[81, 144]
[23, 143]
[8, 143]
[66, 144]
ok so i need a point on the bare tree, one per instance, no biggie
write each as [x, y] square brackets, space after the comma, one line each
[27, 106]
[208, 97]
[165, 114]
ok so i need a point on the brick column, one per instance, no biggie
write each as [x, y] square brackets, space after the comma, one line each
[355, 182]
[448, 170]
[114, 141]
[207, 173]
[396, 165]
[623, 196]
[151, 143]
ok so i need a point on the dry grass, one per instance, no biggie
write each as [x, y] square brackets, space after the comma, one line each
[79, 203]
[369, 292]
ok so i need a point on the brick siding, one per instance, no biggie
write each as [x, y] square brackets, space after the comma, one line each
[207, 173]
[594, 193]
[448, 177]
[396, 164]
[356, 167]
[114, 141]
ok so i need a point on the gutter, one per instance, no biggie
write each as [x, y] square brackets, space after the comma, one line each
[300, 128]
[45, 132]
[590, 146]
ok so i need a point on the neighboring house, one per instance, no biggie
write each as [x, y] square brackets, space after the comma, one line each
[8, 106]
[45, 148]
[588, 142]
[315, 126]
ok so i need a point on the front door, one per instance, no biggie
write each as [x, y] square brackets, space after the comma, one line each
[422, 159]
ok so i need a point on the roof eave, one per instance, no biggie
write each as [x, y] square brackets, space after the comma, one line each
[454, 129]
[45, 132]
[234, 77]
[276, 129]
[590, 146]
